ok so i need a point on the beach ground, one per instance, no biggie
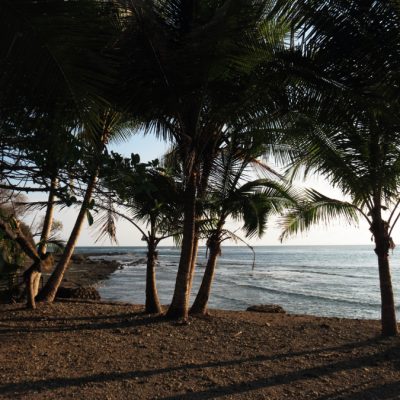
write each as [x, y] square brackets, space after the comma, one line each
[94, 350]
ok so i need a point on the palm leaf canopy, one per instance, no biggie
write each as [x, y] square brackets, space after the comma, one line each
[360, 156]
[236, 192]
[195, 67]
[51, 52]
[356, 43]
[151, 194]
[348, 128]
[160, 199]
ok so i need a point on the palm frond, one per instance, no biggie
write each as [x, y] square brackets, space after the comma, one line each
[316, 209]
[227, 234]
[106, 223]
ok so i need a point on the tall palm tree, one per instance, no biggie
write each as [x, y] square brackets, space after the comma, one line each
[362, 158]
[112, 125]
[54, 55]
[349, 116]
[197, 67]
[235, 193]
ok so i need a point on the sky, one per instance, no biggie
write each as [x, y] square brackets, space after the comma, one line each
[148, 147]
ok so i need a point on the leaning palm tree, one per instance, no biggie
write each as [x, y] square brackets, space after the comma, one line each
[112, 125]
[52, 57]
[235, 193]
[197, 67]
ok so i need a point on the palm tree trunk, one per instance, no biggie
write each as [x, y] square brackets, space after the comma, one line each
[33, 280]
[30, 302]
[200, 304]
[49, 291]
[180, 302]
[48, 219]
[388, 311]
[194, 256]
[152, 302]
[380, 230]
[202, 185]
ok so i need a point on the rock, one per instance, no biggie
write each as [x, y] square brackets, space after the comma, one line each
[78, 293]
[267, 308]
[78, 258]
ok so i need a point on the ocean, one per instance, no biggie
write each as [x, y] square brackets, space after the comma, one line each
[334, 281]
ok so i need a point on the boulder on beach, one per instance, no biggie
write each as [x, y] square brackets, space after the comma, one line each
[267, 308]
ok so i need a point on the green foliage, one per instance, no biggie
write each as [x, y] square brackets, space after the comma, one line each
[149, 193]
[52, 50]
[316, 208]
[236, 192]
[346, 126]
[11, 255]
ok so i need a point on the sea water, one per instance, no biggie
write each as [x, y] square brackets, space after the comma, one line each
[338, 281]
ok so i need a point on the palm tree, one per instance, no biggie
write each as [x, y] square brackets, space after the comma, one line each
[53, 56]
[349, 115]
[112, 126]
[196, 68]
[149, 195]
[234, 193]
[362, 158]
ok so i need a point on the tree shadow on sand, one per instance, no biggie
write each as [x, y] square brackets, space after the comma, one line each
[120, 322]
[384, 391]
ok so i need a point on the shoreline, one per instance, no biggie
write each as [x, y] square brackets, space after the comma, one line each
[91, 269]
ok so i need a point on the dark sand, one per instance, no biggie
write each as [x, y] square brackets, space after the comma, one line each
[93, 350]
[88, 350]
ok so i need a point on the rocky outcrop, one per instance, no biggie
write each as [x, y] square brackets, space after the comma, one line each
[87, 293]
[267, 308]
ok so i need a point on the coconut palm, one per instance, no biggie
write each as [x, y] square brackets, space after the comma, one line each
[50, 59]
[361, 156]
[149, 195]
[351, 121]
[235, 193]
[196, 68]
[113, 126]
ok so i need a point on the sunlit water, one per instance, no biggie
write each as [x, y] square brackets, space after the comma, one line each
[340, 281]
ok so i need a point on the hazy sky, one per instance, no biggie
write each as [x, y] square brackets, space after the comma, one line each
[149, 148]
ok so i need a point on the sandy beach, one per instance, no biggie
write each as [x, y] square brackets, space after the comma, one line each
[94, 350]
[78, 349]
